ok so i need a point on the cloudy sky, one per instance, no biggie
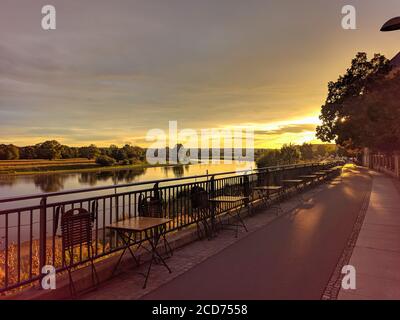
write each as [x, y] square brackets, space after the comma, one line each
[112, 70]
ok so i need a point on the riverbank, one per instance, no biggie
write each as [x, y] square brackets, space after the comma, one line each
[24, 167]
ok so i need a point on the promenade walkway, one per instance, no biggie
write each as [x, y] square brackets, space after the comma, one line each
[376, 255]
[290, 257]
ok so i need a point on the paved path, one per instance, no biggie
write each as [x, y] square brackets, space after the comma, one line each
[376, 255]
[291, 258]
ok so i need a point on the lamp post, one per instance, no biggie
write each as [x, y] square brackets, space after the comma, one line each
[391, 25]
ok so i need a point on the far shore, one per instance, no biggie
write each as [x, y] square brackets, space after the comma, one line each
[35, 167]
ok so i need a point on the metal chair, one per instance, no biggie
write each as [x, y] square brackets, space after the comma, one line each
[152, 207]
[202, 210]
[247, 192]
[76, 231]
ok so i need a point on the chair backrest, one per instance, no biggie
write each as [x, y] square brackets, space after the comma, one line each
[150, 207]
[246, 186]
[262, 178]
[199, 198]
[76, 228]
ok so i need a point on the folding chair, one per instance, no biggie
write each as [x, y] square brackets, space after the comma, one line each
[202, 210]
[76, 232]
[153, 207]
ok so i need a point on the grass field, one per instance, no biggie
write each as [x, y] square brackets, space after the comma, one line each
[37, 166]
[26, 167]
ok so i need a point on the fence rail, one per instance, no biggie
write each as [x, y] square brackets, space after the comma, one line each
[31, 237]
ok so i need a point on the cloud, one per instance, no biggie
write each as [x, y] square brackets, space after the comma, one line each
[113, 70]
[291, 128]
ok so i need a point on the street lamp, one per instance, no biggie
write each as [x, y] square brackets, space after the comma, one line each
[391, 25]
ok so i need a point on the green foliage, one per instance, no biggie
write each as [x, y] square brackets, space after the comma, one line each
[106, 161]
[337, 114]
[90, 152]
[289, 154]
[321, 151]
[52, 149]
[269, 159]
[125, 162]
[375, 116]
[9, 152]
[27, 152]
[49, 150]
[306, 151]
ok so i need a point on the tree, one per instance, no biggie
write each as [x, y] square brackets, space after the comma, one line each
[49, 150]
[321, 151]
[28, 152]
[306, 151]
[337, 113]
[69, 152]
[375, 116]
[289, 154]
[104, 160]
[9, 152]
[90, 152]
[269, 158]
[133, 152]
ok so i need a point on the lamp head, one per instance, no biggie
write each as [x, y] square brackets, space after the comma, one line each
[391, 25]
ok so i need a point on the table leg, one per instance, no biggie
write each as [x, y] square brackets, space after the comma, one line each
[153, 239]
[127, 241]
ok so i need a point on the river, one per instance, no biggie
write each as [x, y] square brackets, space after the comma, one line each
[18, 185]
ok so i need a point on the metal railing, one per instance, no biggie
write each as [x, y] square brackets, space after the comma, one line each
[29, 224]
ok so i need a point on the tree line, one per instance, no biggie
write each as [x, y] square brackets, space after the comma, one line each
[53, 150]
[290, 154]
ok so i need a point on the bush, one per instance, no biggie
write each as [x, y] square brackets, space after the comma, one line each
[105, 161]
[125, 162]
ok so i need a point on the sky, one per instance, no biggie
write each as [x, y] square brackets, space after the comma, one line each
[113, 70]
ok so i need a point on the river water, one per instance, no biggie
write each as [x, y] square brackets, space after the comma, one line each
[11, 186]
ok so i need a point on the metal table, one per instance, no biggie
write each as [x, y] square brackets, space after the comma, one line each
[152, 228]
[265, 193]
[321, 175]
[235, 213]
[309, 178]
[296, 184]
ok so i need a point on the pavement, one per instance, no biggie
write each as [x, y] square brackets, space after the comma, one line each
[293, 256]
[376, 255]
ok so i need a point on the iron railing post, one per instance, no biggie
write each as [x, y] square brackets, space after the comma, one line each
[42, 234]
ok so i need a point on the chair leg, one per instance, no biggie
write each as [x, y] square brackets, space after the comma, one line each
[69, 270]
[95, 277]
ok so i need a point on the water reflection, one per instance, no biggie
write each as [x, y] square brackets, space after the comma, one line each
[50, 182]
[7, 180]
[28, 184]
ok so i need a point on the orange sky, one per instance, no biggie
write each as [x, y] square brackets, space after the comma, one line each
[112, 71]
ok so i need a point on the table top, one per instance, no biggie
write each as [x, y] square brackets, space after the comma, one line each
[268, 188]
[292, 181]
[138, 224]
[228, 199]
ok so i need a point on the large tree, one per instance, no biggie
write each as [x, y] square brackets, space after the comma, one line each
[49, 150]
[306, 151]
[375, 116]
[339, 111]
[9, 152]
[289, 154]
